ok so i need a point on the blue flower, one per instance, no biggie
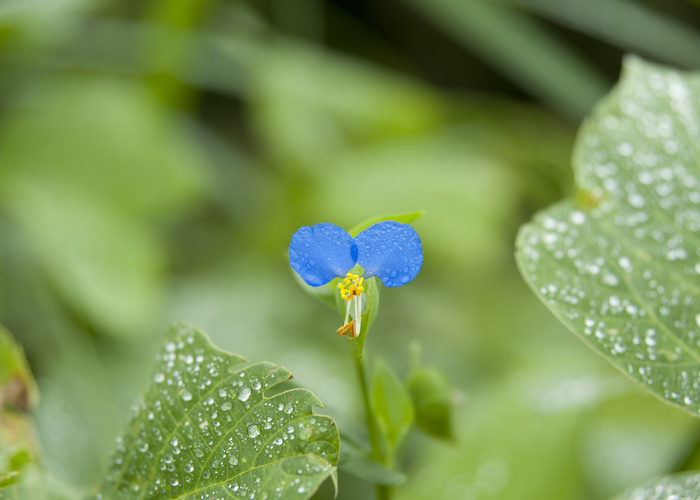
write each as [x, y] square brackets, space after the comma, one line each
[389, 250]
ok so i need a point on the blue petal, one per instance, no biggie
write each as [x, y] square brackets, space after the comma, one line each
[322, 252]
[391, 251]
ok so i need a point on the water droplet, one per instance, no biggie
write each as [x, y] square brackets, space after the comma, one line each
[186, 395]
[253, 430]
[159, 377]
[244, 393]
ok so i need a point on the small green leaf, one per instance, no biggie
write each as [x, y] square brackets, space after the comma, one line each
[205, 428]
[430, 391]
[619, 264]
[404, 218]
[392, 406]
[356, 461]
[674, 486]
[17, 385]
[12, 461]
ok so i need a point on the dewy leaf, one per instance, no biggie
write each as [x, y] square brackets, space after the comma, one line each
[205, 428]
[675, 486]
[620, 264]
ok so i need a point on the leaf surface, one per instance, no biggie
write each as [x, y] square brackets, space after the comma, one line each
[672, 487]
[206, 428]
[619, 265]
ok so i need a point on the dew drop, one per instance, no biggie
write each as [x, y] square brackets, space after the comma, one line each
[244, 393]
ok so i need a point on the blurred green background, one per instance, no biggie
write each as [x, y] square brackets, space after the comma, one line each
[157, 155]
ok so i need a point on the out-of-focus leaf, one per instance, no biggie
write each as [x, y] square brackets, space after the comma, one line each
[451, 180]
[205, 426]
[18, 393]
[89, 165]
[104, 138]
[404, 218]
[431, 393]
[104, 264]
[619, 265]
[392, 406]
[357, 462]
[675, 486]
[17, 385]
[626, 24]
[522, 50]
[12, 460]
[302, 118]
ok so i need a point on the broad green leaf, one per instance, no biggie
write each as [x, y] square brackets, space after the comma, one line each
[392, 406]
[619, 265]
[672, 487]
[207, 426]
[371, 307]
[356, 461]
[404, 218]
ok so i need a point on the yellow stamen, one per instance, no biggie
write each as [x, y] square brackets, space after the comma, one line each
[352, 286]
[345, 328]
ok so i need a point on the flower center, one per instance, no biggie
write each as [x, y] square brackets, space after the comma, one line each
[352, 286]
[351, 289]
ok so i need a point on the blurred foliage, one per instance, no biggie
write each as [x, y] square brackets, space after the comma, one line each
[156, 156]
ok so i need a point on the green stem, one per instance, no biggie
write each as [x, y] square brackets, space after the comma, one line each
[383, 492]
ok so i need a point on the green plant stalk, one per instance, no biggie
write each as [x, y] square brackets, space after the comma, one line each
[383, 491]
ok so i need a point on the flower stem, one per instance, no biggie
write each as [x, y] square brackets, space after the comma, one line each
[383, 492]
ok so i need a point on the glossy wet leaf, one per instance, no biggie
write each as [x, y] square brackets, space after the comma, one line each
[205, 428]
[673, 487]
[619, 265]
